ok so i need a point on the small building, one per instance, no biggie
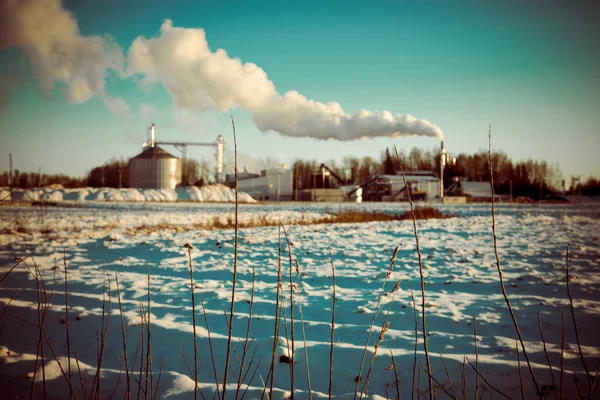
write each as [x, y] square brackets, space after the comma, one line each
[473, 191]
[154, 168]
[273, 184]
[423, 185]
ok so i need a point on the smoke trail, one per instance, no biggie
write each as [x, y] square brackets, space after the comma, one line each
[181, 60]
[199, 79]
[50, 36]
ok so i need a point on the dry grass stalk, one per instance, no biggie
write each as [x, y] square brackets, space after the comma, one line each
[112, 394]
[264, 387]
[140, 345]
[547, 356]
[375, 314]
[210, 346]
[81, 380]
[245, 375]
[595, 379]
[384, 328]
[193, 323]
[476, 355]
[127, 378]
[235, 254]
[276, 326]
[293, 353]
[162, 360]
[40, 347]
[562, 350]
[333, 327]
[330, 217]
[303, 333]
[454, 396]
[104, 334]
[186, 361]
[142, 335]
[519, 369]
[578, 394]
[587, 372]
[4, 312]
[508, 305]
[44, 302]
[484, 388]
[62, 371]
[254, 373]
[19, 261]
[486, 380]
[245, 345]
[149, 344]
[287, 336]
[412, 296]
[67, 320]
[424, 322]
[395, 376]
[463, 389]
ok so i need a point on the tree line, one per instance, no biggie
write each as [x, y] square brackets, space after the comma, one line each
[525, 178]
[114, 173]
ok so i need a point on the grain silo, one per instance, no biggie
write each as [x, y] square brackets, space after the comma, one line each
[154, 168]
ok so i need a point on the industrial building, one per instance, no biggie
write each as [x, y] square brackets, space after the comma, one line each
[472, 191]
[327, 186]
[422, 184]
[273, 184]
[154, 168]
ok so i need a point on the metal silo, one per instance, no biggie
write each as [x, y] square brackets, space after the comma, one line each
[154, 168]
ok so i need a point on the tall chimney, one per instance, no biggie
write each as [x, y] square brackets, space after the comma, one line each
[442, 164]
[152, 133]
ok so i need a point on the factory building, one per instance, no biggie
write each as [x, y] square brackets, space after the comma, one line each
[471, 192]
[154, 168]
[273, 184]
[423, 185]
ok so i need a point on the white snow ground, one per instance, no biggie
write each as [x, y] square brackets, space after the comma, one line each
[460, 274]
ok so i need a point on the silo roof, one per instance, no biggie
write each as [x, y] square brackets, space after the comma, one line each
[154, 153]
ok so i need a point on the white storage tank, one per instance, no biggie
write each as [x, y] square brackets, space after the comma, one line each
[154, 168]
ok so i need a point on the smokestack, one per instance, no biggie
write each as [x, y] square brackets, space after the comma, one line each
[442, 164]
[220, 145]
[152, 133]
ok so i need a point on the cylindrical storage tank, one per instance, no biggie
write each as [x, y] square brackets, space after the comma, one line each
[154, 168]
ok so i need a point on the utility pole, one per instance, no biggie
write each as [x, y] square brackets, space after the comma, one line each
[575, 179]
[10, 181]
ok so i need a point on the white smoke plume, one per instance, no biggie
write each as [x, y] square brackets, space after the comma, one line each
[50, 36]
[116, 105]
[181, 60]
[199, 79]
[146, 111]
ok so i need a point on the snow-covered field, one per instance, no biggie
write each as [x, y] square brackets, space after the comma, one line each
[97, 239]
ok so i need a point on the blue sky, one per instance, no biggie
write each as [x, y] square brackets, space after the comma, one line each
[529, 70]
